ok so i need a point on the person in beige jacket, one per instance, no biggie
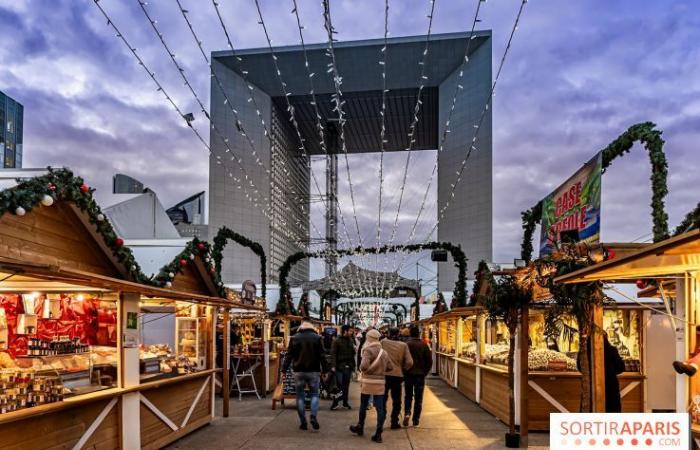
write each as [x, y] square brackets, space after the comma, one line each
[374, 366]
[401, 361]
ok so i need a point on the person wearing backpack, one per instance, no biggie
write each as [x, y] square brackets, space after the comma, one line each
[374, 366]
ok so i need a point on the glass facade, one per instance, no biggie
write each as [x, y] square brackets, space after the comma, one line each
[12, 128]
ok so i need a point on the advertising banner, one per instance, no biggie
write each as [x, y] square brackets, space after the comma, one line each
[574, 207]
[619, 431]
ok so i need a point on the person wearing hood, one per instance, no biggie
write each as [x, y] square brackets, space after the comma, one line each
[375, 364]
[306, 356]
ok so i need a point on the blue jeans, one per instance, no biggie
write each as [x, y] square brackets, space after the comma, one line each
[301, 379]
[343, 376]
[378, 405]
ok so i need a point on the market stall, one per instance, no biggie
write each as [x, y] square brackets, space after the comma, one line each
[673, 267]
[74, 359]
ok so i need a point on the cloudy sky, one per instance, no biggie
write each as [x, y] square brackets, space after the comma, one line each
[579, 73]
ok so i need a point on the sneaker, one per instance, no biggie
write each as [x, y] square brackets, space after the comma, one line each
[303, 426]
[335, 407]
[416, 424]
[684, 368]
[314, 423]
[377, 438]
[395, 426]
[346, 406]
[405, 420]
[357, 429]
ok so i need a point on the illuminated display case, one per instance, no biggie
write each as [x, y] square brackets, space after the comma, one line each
[190, 340]
[623, 328]
[496, 337]
[447, 336]
[554, 346]
[470, 331]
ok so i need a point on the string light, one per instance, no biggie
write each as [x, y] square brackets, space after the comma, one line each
[446, 128]
[170, 100]
[472, 145]
[337, 99]
[243, 73]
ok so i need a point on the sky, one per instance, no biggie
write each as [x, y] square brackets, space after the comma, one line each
[577, 75]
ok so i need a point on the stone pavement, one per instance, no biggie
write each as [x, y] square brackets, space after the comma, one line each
[449, 421]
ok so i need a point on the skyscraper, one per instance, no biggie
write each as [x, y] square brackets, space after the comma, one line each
[12, 127]
[271, 205]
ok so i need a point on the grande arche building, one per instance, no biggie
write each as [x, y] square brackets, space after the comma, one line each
[467, 221]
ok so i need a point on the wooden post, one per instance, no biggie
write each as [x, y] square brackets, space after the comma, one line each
[597, 361]
[524, 351]
[129, 354]
[226, 359]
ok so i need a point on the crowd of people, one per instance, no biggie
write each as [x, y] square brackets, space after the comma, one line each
[390, 366]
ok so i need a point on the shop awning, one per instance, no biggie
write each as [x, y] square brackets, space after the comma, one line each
[72, 278]
[669, 258]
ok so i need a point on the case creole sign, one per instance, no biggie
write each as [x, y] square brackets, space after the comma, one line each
[574, 207]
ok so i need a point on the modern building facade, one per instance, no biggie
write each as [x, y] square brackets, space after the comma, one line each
[11, 133]
[124, 184]
[286, 189]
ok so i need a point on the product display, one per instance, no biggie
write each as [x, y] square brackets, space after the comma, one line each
[623, 330]
[21, 388]
[469, 334]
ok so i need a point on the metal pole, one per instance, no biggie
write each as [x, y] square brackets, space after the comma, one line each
[332, 198]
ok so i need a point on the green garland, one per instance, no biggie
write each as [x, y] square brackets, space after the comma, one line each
[690, 222]
[194, 248]
[62, 185]
[483, 273]
[460, 260]
[223, 236]
[650, 137]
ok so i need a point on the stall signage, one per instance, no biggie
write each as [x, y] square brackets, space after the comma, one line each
[574, 207]
[619, 431]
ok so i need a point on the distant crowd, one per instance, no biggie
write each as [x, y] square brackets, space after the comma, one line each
[390, 366]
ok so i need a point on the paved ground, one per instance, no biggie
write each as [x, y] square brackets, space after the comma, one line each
[449, 421]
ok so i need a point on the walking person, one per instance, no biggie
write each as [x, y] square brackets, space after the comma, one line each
[401, 361]
[307, 358]
[415, 376]
[343, 364]
[374, 367]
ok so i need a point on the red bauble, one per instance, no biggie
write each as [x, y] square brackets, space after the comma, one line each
[52, 187]
[183, 262]
[611, 254]
[119, 242]
[84, 188]
[200, 246]
[641, 284]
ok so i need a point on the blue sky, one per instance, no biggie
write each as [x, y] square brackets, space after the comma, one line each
[579, 73]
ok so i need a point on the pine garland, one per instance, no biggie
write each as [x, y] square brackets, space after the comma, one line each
[650, 137]
[460, 261]
[223, 236]
[690, 222]
[62, 185]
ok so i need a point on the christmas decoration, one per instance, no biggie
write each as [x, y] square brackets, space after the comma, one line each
[168, 284]
[689, 222]
[183, 262]
[650, 137]
[47, 200]
[641, 284]
[171, 275]
[223, 236]
[68, 188]
[460, 261]
[201, 247]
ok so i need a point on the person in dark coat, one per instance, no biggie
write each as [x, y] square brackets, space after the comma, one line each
[343, 364]
[307, 358]
[614, 365]
[415, 377]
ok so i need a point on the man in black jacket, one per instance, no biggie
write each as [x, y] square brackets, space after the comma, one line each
[415, 376]
[343, 363]
[306, 356]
